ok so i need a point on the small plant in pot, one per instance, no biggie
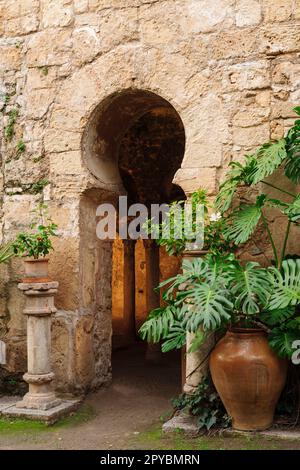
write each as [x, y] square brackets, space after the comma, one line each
[36, 244]
[258, 306]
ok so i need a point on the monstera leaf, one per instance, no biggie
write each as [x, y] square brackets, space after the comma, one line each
[175, 339]
[286, 285]
[237, 174]
[159, 323]
[293, 210]
[281, 339]
[251, 287]
[292, 167]
[243, 221]
[277, 316]
[209, 306]
[267, 159]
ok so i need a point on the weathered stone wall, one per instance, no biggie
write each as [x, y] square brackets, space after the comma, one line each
[229, 67]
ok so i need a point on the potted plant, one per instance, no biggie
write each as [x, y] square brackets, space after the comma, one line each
[258, 305]
[36, 245]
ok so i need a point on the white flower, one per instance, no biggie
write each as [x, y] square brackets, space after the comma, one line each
[215, 216]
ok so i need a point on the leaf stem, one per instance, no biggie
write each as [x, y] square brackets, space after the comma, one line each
[271, 238]
[285, 242]
[279, 189]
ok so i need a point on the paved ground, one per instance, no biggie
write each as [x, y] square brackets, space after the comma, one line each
[127, 415]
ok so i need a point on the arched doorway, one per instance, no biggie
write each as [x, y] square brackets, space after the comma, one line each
[133, 145]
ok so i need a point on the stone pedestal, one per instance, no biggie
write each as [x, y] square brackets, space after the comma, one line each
[195, 363]
[39, 308]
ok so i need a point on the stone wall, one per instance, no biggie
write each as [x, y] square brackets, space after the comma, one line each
[231, 70]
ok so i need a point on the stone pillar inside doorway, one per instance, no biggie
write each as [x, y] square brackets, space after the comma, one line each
[152, 297]
[129, 288]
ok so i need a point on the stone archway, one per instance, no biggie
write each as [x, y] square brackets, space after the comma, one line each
[105, 144]
[83, 96]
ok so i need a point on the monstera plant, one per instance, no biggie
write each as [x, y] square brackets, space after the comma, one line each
[258, 305]
[221, 292]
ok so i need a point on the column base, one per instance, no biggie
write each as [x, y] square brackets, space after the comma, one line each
[189, 389]
[41, 401]
[49, 416]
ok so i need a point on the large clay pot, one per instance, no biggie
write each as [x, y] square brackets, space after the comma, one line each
[248, 376]
[36, 270]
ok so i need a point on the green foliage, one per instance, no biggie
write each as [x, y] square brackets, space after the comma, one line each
[38, 187]
[213, 293]
[293, 210]
[237, 174]
[5, 102]
[172, 232]
[242, 222]
[159, 323]
[206, 405]
[10, 128]
[292, 164]
[251, 287]
[217, 291]
[286, 285]
[21, 147]
[277, 316]
[282, 337]
[267, 159]
[36, 243]
[209, 305]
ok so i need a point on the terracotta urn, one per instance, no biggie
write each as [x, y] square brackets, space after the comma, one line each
[248, 376]
[36, 270]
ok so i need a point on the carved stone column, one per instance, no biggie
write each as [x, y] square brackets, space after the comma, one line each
[129, 288]
[195, 363]
[152, 297]
[39, 308]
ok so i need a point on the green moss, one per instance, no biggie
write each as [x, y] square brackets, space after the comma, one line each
[155, 439]
[21, 146]
[16, 426]
[82, 415]
[38, 159]
[44, 69]
[10, 128]
[22, 426]
[5, 102]
[38, 187]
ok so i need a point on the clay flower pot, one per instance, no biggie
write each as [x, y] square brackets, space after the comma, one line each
[248, 376]
[36, 270]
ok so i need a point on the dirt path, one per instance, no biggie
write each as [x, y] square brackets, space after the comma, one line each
[139, 394]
